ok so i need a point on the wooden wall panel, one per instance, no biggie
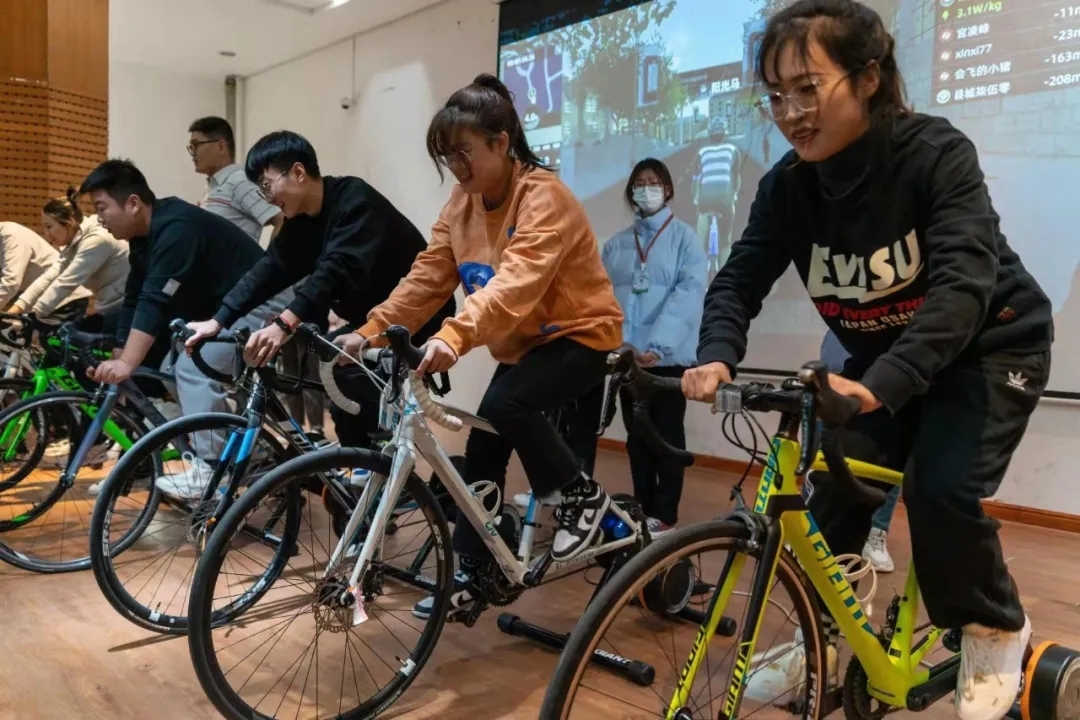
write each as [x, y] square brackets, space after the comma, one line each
[23, 46]
[78, 46]
[54, 109]
[78, 138]
[24, 150]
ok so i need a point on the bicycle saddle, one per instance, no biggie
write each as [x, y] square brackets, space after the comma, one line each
[101, 341]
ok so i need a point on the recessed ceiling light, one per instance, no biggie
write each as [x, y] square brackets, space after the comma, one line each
[227, 53]
[337, 3]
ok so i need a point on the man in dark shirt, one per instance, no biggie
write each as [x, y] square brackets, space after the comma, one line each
[183, 262]
[354, 247]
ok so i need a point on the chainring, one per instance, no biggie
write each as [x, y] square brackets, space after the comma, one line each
[494, 588]
[858, 705]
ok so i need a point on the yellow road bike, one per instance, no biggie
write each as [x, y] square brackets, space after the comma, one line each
[887, 671]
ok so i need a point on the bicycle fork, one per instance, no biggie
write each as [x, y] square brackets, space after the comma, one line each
[766, 540]
[401, 467]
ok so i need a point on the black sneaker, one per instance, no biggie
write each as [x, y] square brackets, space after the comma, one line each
[578, 519]
[460, 599]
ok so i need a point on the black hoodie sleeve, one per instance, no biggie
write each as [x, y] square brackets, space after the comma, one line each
[735, 295]
[274, 272]
[961, 256]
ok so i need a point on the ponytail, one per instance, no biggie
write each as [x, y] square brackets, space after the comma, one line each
[487, 107]
[65, 210]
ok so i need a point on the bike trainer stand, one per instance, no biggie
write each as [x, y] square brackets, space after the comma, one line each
[636, 671]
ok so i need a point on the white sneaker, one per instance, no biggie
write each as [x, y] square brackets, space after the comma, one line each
[58, 455]
[876, 551]
[189, 483]
[991, 667]
[781, 671]
[657, 528]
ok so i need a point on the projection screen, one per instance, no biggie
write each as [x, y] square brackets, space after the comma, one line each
[601, 84]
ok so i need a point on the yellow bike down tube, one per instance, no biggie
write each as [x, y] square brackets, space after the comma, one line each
[705, 634]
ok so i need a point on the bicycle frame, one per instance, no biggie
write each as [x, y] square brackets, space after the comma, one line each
[891, 673]
[411, 436]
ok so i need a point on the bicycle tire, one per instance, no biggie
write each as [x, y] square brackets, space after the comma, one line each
[201, 616]
[131, 423]
[22, 385]
[628, 582]
[102, 552]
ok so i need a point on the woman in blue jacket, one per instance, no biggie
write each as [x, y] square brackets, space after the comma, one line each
[658, 269]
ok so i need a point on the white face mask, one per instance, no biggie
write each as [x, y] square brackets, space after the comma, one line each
[649, 198]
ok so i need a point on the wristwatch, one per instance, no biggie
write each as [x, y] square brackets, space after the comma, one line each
[285, 327]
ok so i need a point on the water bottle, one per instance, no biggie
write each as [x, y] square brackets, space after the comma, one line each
[714, 238]
[614, 528]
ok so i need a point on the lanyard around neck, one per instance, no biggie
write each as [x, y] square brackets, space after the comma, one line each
[643, 255]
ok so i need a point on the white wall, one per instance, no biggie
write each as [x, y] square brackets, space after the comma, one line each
[149, 114]
[403, 73]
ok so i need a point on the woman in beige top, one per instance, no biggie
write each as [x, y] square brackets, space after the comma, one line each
[90, 261]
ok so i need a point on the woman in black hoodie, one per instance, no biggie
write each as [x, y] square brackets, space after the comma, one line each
[886, 216]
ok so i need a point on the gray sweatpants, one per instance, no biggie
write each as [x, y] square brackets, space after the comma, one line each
[198, 394]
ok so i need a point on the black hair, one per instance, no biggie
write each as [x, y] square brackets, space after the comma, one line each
[485, 106]
[65, 210]
[661, 171]
[281, 150]
[120, 179]
[216, 128]
[851, 34]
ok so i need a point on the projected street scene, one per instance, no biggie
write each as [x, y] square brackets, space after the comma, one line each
[673, 79]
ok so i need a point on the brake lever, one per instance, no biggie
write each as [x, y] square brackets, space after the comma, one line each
[810, 432]
[440, 388]
[607, 410]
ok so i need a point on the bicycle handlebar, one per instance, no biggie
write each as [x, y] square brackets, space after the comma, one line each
[181, 333]
[643, 387]
[810, 396]
[328, 353]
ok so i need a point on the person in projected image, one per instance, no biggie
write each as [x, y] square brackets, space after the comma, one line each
[658, 269]
[519, 242]
[717, 182]
[886, 216]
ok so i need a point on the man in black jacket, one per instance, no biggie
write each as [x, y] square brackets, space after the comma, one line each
[350, 241]
[183, 262]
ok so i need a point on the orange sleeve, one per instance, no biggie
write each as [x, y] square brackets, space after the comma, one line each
[526, 269]
[430, 283]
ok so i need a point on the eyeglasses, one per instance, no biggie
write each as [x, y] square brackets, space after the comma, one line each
[266, 187]
[193, 146]
[648, 184]
[463, 157]
[803, 99]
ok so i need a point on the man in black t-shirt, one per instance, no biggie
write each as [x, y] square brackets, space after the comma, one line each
[350, 242]
[183, 262]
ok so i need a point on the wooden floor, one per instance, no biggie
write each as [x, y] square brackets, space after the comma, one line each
[65, 653]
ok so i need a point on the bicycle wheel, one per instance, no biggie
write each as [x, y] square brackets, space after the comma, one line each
[22, 443]
[43, 520]
[146, 576]
[575, 675]
[222, 653]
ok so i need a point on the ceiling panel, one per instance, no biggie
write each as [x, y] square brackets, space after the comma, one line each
[190, 35]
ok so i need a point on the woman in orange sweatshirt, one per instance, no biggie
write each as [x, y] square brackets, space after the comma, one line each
[537, 296]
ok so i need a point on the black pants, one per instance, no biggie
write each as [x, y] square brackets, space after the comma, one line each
[954, 445]
[309, 405]
[657, 480]
[356, 430]
[548, 377]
